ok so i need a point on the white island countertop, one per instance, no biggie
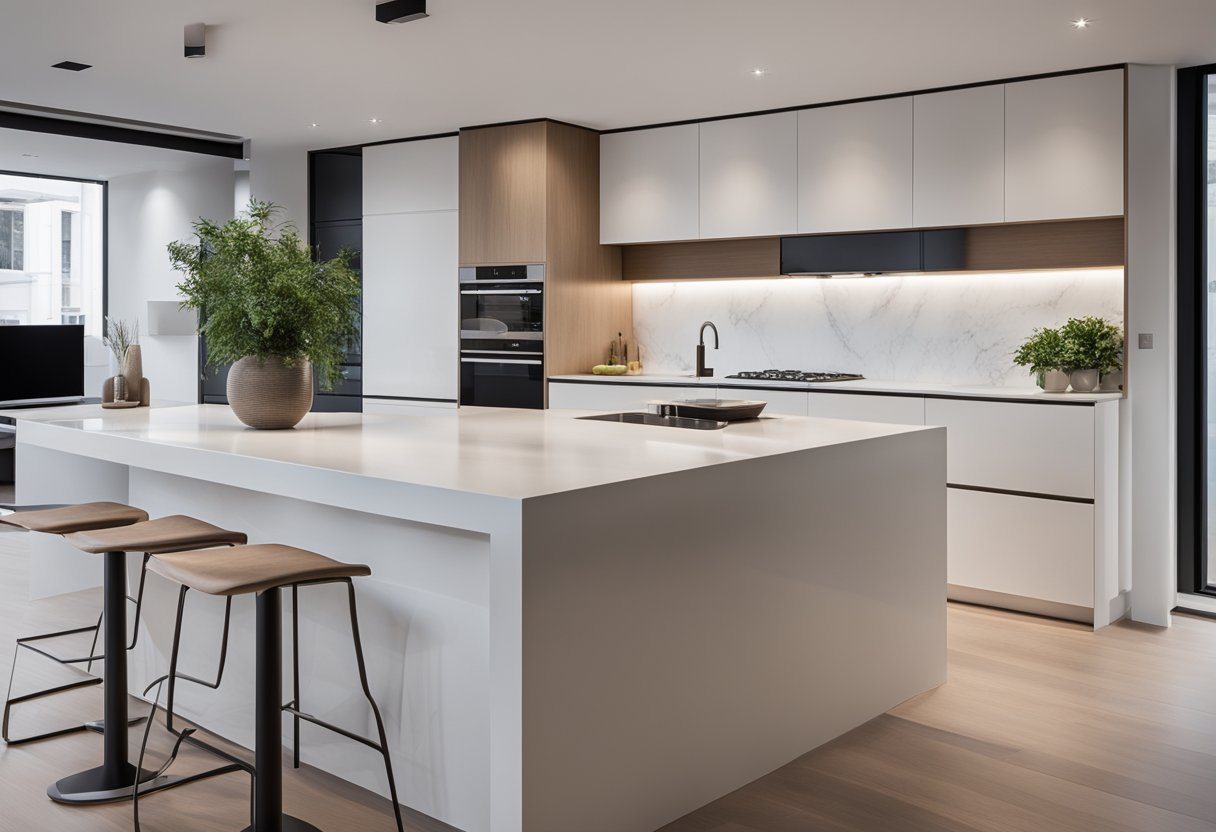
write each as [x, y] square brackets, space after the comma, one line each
[515, 454]
[866, 386]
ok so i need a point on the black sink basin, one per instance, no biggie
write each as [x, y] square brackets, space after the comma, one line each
[659, 421]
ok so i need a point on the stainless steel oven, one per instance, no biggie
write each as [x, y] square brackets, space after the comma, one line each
[502, 339]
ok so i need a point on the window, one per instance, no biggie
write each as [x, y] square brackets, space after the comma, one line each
[12, 239]
[51, 251]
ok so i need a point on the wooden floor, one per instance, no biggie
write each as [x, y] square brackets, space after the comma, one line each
[1042, 727]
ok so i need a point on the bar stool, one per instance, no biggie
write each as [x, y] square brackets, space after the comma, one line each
[116, 778]
[264, 570]
[65, 519]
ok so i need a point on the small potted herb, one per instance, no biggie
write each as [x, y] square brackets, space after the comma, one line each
[1091, 347]
[1043, 352]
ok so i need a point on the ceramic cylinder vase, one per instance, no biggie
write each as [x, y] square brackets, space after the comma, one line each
[132, 370]
[1083, 381]
[270, 394]
[1055, 381]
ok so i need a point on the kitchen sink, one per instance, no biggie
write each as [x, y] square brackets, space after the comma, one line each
[657, 420]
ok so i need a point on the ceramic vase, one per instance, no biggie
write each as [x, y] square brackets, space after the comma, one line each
[270, 394]
[1055, 381]
[132, 370]
[1083, 381]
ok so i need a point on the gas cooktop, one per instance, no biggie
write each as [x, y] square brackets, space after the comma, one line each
[795, 375]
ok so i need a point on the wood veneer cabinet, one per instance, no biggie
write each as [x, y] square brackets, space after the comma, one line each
[529, 193]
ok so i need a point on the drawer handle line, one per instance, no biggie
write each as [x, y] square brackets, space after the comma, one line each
[1034, 495]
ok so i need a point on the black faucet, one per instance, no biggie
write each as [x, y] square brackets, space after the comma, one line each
[702, 370]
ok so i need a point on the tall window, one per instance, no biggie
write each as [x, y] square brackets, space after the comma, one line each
[51, 261]
[12, 238]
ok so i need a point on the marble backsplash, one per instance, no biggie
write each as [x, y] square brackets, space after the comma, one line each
[952, 329]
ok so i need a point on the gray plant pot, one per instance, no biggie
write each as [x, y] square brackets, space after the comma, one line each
[1112, 382]
[1083, 381]
[1055, 381]
[270, 395]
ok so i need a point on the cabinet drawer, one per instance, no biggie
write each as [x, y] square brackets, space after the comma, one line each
[895, 410]
[1035, 548]
[1039, 448]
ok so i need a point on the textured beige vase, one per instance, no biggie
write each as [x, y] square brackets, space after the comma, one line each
[269, 394]
[132, 370]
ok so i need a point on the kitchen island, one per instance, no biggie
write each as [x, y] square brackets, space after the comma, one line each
[571, 625]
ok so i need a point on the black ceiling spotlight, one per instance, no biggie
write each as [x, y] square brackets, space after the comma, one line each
[400, 11]
[196, 40]
[71, 66]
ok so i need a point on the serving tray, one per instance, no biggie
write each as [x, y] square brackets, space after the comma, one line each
[723, 410]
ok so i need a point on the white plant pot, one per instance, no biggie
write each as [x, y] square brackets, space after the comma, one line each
[1055, 381]
[1112, 382]
[1083, 381]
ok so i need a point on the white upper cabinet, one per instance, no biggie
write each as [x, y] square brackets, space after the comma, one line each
[1064, 147]
[405, 177]
[649, 185]
[749, 176]
[855, 167]
[959, 157]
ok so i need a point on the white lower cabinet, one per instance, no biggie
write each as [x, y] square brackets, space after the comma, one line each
[1024, 546]
[780, 402]
[619, 395]
[894, 410]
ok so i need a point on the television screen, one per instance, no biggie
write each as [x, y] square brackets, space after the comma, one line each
[41, 364]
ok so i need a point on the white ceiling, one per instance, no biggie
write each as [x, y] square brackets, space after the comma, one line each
[275, 66]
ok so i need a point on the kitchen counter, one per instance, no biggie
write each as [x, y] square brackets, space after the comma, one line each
[866, 386]
[556, 604]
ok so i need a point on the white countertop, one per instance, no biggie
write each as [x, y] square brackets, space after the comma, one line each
[876, 386]
[496, 452]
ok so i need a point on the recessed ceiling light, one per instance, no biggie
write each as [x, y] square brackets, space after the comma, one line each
[313, 124]
[29, 155]
[759, 72]
[1082, 23]
[373, 121]
[71, 66]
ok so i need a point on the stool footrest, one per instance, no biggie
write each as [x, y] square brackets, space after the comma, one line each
[350, 735]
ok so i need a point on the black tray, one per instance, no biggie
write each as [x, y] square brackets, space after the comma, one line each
[722, 410]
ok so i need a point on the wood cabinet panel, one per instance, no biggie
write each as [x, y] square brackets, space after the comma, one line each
[502, 194]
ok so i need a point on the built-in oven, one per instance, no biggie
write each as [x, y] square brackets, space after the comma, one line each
[502, 340]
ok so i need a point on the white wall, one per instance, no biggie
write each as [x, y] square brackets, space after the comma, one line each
[147, 212]
[280, 175]
[1148, 417]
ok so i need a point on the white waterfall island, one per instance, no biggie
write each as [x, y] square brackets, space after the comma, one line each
[571, 625]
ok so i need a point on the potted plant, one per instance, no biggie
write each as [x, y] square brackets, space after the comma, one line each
[266, 307]
[1091, 346]
[1043, 353]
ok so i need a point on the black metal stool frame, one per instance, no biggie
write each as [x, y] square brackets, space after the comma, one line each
[266, 809]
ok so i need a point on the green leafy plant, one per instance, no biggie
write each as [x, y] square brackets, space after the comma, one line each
[259, 292]
[1042, 351]
[120, 334]
[1092, 343]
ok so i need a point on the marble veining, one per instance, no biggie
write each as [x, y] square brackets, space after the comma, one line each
[941, 329]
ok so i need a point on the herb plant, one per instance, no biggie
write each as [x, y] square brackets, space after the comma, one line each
[1044, 350]
[1092, 343]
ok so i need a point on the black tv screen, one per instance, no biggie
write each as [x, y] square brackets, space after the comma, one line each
[41, 364]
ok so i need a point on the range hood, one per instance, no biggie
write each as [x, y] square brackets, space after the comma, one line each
[830, 255]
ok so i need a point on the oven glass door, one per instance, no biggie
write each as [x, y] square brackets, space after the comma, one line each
[507, 382]
[499, 310]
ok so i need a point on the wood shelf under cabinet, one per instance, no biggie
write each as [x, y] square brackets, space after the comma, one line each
[1067, 244]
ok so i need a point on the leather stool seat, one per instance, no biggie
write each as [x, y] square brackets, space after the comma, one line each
[164, 534]
[249, 569]
[69, 519]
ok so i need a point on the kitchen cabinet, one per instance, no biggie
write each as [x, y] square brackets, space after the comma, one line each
[649, 185]
[1034, 448]
[749, 176]
[897, 410]
[855, 166]
[620, 395]
[780, 402]
[1064, 147]
[959, 157]
[404, 177]
[410, 305]
[503, 181]
[1021, 546]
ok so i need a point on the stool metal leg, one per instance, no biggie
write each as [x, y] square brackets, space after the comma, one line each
[116, 778]
[268, 732]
